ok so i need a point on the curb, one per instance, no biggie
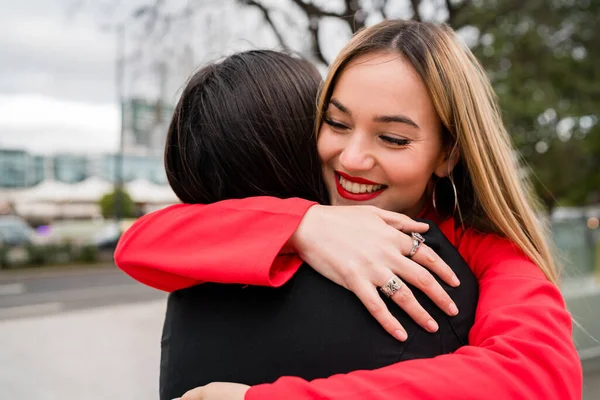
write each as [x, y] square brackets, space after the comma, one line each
[23, 274]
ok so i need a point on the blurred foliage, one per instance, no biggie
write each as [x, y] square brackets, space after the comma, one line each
[50, 254]
[32, 255]
[108, 204]
[88, 254]
[4, 262]
[543, 61]
[541, 55]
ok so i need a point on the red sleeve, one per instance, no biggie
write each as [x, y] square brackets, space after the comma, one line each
[232, 241]
[520, 345]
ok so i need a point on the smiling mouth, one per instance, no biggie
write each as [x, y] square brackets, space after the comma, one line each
[357, 189]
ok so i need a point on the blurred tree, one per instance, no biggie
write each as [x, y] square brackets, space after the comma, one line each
[543, 63]
[541, 55]
[107, 204]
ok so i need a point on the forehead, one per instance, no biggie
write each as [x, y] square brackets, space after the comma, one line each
[383, 82]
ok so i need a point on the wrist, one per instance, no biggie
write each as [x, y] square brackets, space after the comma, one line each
[300, 239]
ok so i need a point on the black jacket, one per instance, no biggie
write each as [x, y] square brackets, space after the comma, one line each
[310, 327]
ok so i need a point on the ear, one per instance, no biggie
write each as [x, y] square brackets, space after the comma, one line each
[447, 164]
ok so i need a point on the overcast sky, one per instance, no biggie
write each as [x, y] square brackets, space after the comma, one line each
[56, 79]
[57, 82]
[57, 74]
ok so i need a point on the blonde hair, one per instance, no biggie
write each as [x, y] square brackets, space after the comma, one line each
[490, 187]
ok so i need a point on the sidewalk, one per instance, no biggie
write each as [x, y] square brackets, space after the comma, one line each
[96, 354]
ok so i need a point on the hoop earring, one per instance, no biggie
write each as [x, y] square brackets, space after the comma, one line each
[455, 198]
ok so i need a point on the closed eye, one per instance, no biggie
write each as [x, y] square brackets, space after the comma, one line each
[335, 124]
[395, 141]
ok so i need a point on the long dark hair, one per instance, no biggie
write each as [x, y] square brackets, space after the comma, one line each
[245, 127]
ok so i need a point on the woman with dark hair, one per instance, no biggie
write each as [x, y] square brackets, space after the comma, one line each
[237, 128]
[235, 133]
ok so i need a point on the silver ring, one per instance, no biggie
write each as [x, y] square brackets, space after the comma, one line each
[418, 240]
[392, 286]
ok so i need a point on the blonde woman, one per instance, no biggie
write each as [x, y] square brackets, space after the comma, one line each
[405, 111]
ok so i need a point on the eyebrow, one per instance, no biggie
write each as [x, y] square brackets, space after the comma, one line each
[340, 106]
[384, 119]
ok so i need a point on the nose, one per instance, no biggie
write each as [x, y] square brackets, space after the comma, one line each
[357, 154]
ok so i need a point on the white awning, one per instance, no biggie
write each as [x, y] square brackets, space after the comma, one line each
[90, 190]
[46, 191]
[143, 191]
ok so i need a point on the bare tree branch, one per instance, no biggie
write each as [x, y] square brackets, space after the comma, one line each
[267, 18]
[315, 44]
[415, 6]
[382, 9]
[312, 10]
[349, 16]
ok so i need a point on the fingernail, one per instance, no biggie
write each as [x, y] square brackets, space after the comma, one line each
[401, 335]
[452, 309]
[432, 326]
[455, 281]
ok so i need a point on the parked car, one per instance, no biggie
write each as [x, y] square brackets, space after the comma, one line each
[14, 232]
[107, 238]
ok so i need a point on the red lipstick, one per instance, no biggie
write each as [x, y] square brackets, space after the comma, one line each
[356, 179]
[356, 196]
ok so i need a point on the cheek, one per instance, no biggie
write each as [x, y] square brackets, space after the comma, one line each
[408, 170]
[326, 145]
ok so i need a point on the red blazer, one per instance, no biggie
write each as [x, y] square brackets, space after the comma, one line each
[520, 346]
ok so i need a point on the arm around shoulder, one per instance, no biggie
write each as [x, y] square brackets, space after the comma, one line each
[232, 241]
[520, 345]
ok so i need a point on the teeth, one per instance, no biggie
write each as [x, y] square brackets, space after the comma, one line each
[358, 188]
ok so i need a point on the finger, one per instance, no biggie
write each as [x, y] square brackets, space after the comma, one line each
[428, 258]
[425, 256]
[368, 295]
[405, 298]
[194, 394]
[418, 276]
[402, 222]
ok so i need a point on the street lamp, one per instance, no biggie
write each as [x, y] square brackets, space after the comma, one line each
[120, 87]
[119, 29]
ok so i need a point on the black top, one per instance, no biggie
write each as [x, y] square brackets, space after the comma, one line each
[310, 327]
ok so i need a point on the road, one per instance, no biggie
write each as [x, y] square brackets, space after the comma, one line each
[94, 334]
[29, 294]
[90, 335]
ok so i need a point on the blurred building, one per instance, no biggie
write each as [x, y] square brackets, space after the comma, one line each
[70, 168]
[150, 168]
[69, 186]
[145, 127]
[20, 169]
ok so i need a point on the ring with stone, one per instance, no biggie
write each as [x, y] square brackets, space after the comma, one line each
[418, 240]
